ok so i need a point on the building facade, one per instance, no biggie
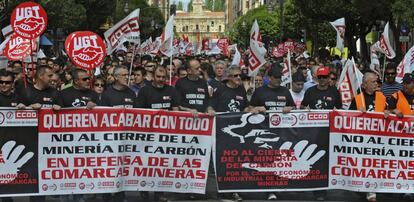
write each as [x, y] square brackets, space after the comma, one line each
[200, 23]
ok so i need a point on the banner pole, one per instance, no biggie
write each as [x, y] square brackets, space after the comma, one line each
[170, 68]
[132, 62]
[383, 68]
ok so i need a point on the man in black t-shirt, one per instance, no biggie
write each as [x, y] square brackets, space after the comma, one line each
[322, 96]
[80, 94]
[231, 97]
[158, 95]
[7, 97]
[119, 94]
[272, 96]
[41, 94]
[192, 90]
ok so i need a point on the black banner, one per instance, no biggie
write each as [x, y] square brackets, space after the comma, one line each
[254, 153]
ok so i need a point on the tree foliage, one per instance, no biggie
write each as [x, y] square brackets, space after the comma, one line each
[214, 5]
[190, 6]
[180, 6]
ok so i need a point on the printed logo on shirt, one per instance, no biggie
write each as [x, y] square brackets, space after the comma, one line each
[239, 97]
[321, 104]
[47, 99]
[281, 97]
[86, 98]
[166, 98]
[328, 98]
[128, 100]
[234, 106]
[78, 103]
[200, 90]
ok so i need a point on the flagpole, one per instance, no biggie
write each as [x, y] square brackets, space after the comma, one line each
[170, 68]
[290, 70]
[132, 62]
[383, 69]
[359, 84]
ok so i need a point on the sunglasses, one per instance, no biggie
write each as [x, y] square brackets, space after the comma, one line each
[235, 75]
[333, 78]
[99, 84]
[5, 82]
[86, 79]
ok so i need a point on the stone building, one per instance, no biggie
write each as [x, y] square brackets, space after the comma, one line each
[200, 23]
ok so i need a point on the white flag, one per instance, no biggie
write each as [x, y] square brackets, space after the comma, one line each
[125, 30]
[384, 44]
[406, 65]
[167, 38]
[349, 83]
[256, 52]
[237, 59]
[286, 71]
[339, 26]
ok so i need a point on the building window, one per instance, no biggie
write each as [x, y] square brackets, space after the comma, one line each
[183, 29]
[186, 28]
[212, 23]
[208, 28]
[219, 28]
[196, 27]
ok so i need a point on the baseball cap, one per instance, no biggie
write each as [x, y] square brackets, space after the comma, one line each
[322, 71]
[408, 78]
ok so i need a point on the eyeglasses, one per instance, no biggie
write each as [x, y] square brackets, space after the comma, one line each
[5, 82]
[99, 84]
[86, 79]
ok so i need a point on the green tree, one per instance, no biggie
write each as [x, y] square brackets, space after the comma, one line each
[180, 6]
[65, 14]
[214, 5]
[190, 6]
[268, 24]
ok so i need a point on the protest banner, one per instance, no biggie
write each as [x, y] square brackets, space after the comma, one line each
[18, 156]
[273, 152]
[369, 153]
[112, 150]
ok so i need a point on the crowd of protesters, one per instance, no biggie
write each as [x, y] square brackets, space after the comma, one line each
[197, 84]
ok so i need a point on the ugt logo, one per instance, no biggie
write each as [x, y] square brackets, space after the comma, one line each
[86, 48]
[28, 18]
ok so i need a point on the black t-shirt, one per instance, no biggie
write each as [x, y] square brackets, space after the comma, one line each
[322, 99]
[71, 97]
[9, 100]
[150, 97]
[392, 102]
[118, 98]
[193, 94]
[272, 98]
[215, 84]
[227, 99]
[19, 87]
[369, 103]
[46, 97]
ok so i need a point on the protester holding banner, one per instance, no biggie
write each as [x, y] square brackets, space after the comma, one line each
[158, 95]
[297, 91]
[272, 96]
[371, 99]
[119, 94]
[402, 102]
[80, 94]
[7, 97]
[230, 97]
[41, 94]
[322, 96]
[192, 90]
